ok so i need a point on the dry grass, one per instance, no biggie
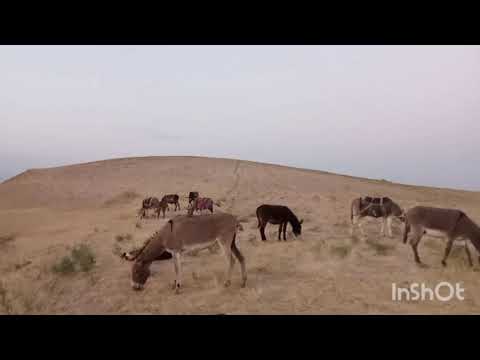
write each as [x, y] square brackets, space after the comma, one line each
[341, 250]
[381, 248]
[122, 198]
[4, 239]
[5, 302]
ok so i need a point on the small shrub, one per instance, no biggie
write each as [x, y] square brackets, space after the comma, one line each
[64, 267]
[84, 257]
[81, 259]
[122, 237]
[7, 238]
[341, 250]
[4, 301]
[380, 248]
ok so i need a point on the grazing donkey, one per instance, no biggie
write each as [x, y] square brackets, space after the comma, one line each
[172, 199]
[451, 224]
[192, 196]
[148, 203]
[383, 207]
[200, 204]
[278, 214]
[186, 233]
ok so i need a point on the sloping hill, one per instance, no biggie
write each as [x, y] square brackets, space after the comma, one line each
[45, 212]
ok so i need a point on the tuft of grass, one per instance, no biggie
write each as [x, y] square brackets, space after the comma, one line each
[84, 257]
[22, 265]
[7, 238]
[341, 250]
[81, 258]
[4, 301]
[64, 267]
[122, 237]
[381, 248]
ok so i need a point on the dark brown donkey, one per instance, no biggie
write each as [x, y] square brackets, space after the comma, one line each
[148, 203]
[153, 203]
[278, 214]
[192, 196]
[172, 199]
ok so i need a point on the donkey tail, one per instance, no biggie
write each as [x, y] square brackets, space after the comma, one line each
[235, 250]
[406, 230]
[351, 213]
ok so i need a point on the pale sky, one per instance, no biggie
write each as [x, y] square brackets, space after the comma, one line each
[408, 114]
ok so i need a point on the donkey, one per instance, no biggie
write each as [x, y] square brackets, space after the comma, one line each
[383, 207]
[172, 199]
[186, 233]
[161, 207]
[148, 203]
[278, 214]
[451, 224]
[192, 196]
[200, 204]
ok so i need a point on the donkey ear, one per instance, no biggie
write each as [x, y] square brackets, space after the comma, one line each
[301, 222]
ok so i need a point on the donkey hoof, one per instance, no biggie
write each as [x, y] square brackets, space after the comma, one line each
[177, 290]
[444, 263]
[244, 283]
[227, 283]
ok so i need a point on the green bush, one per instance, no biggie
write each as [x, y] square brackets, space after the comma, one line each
[81, 258]
[66, 266]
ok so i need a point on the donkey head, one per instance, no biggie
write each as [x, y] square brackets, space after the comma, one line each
[297, 228]
[140, 274]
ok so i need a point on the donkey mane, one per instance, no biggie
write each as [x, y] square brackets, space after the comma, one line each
[140, 251]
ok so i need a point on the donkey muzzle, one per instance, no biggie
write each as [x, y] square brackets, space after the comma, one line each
[136, 286]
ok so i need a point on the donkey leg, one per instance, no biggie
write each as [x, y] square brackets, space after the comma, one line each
[280, 231]
[448, 248]
[469, 256]
[414, 243]
[389, 226]
[285, 231]
[382, 231]
[223, 241]
[241, 260]
[354, 223]
[177, 262]
[231, 261]
[361, 228]
[262, 232]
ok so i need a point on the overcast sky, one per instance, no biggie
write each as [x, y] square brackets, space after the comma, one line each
[407, 114]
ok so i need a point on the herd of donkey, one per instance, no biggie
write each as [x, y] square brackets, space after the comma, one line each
[184, 233]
